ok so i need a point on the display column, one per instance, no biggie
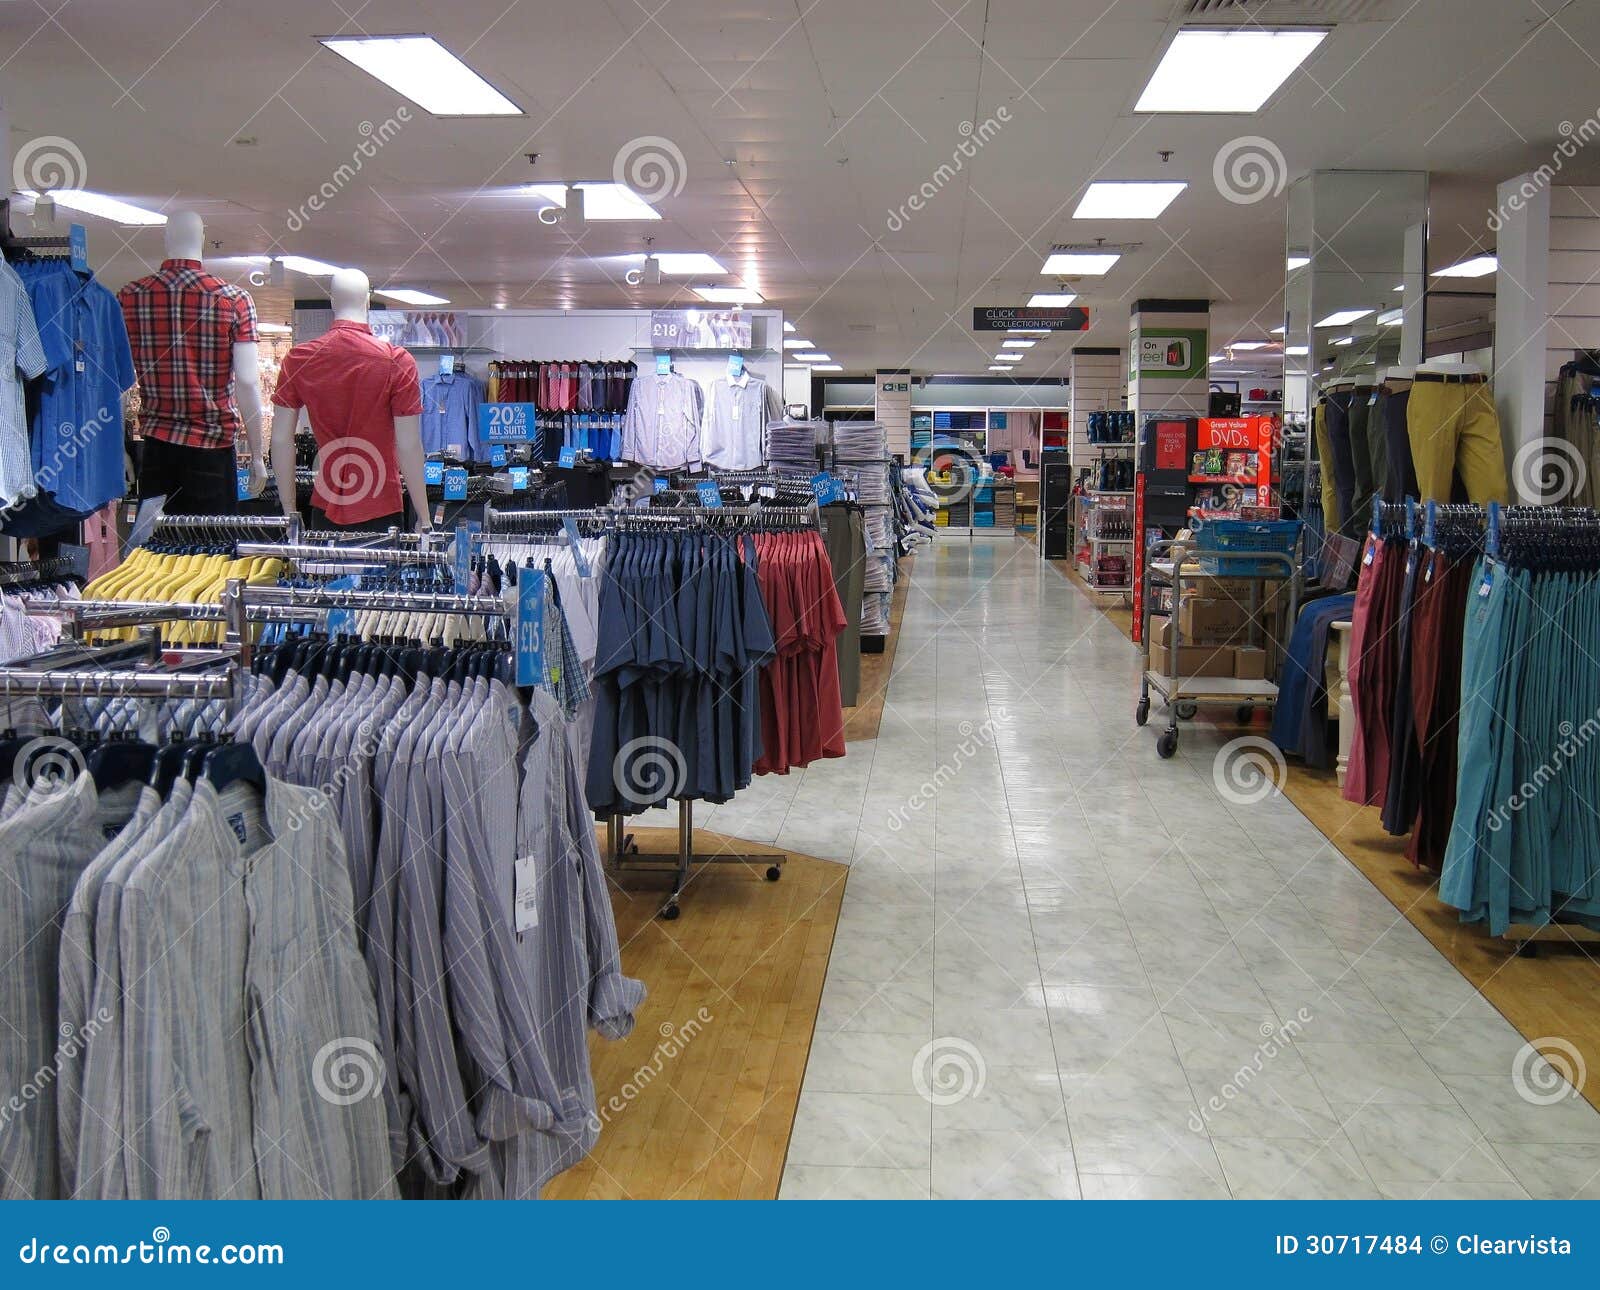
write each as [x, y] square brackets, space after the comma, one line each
[892, 407]
[1097, 383]
[1168, 366]
[1547, 307]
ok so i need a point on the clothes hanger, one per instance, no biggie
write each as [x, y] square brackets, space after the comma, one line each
[234, 763]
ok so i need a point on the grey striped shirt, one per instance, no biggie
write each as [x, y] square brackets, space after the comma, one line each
[44, 847]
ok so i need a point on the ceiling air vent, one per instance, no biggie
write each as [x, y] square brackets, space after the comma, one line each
[1291, 10]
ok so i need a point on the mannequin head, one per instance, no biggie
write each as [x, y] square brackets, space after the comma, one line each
[186, 234]
[349, 290]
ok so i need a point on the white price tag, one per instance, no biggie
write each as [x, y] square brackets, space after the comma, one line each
[526, 895]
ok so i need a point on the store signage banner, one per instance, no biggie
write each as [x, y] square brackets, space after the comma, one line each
[455, 484]
[1003, 317]
[701, 329]
[530, 627]
[507, 422]
[1177, 354]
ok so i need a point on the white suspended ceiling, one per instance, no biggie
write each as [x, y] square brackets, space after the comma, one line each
[805, 126]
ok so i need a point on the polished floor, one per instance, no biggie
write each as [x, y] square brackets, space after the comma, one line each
[1064, 967]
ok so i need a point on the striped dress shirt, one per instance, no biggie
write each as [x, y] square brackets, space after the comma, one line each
[571, 960]
[100, 1170]
[662, 425]
[44, 848]
[76, 978]
[184, 938]
[320, 1128]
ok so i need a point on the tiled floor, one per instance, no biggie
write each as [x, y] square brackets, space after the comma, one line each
[1067, 968]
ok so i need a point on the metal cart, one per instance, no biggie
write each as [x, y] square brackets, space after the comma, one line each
[1170, 564]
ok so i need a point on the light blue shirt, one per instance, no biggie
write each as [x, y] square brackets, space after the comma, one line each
[450, 416]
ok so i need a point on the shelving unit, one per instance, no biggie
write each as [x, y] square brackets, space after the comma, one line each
[1094, 510]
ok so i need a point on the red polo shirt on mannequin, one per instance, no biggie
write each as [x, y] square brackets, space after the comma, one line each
[352, 386]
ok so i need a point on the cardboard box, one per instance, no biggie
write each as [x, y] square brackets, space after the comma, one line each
[1193, 660]
[1250, 664]
[1203, 620]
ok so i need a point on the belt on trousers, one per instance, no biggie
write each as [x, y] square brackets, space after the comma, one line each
[1453, 378]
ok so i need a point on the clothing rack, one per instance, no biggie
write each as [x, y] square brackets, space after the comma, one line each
[49, 569]
[305, 554]
[84, 616]
[243, 604]
[21, 683]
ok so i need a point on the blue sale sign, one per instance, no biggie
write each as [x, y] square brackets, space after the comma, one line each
[710, 494]
[455, 484]
[506, 422]
[530, 627]
[433, 472]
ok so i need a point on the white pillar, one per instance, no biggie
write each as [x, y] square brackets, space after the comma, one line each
[1096, 377]
[1168, 347]
[891, 400]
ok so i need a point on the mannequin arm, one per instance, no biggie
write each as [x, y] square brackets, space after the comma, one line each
[247, 392]
[283, 423]
[410, 457]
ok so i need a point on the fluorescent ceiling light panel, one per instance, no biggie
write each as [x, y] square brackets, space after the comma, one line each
[425, 72]
[788, 326]
[1345, 340]
[1027, 331]
[729, 295]
[794, 342]
[1051, 299]
[677, 264]
[1247, 344]
[1089, 263]
[1390, 318]
[408, 296]
[1232, 70]
[1008, 357]
[1019, 344]
[311, 268]
[1479, 266]
[101, 206]
[1133, 200]
[1278, 331]
[814, 356]
[1296, 262]
[274, 329]
[1343, 316]
[1296, 351]
[603, 201]
[999, 367]
[827, 367]
[1400, 286]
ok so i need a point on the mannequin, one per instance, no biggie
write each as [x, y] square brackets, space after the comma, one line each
[365, 406]
[181, 321]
